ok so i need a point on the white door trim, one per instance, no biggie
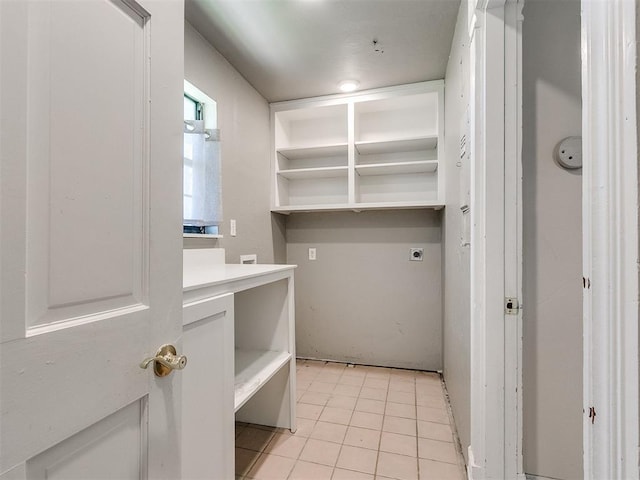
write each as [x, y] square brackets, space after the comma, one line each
[610, 240]
[496, 248]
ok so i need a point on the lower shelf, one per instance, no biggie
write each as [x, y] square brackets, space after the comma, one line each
[254, 368]
[358, 207]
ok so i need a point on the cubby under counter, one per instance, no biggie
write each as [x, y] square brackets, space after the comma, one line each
[253, 369]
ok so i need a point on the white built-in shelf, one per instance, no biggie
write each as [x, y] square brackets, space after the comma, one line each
[359, 207]
[397, 168]
[320, 172]
[297, 153]
[397, 145]
[253, 369]
[372, 150]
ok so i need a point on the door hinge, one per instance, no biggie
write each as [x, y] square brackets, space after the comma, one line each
[511, 306]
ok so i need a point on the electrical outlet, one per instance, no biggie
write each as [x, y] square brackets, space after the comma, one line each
[312, 253]
[232, 227]
[416, 254]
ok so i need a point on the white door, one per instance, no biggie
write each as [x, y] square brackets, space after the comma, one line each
[90, 237]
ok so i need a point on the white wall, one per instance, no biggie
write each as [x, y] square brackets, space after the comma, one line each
[243, 119]
[552, 349]
[456, 262]
[362, 300]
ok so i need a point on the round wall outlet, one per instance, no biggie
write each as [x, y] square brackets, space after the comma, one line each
[568, 153]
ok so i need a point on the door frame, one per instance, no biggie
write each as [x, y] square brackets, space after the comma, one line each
[495, 33]
[610, 240]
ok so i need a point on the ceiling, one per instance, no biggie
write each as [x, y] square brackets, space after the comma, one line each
[290, 49]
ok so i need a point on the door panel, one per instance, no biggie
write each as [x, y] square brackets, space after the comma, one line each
[90, 236]
[86, 127]
[91, 453]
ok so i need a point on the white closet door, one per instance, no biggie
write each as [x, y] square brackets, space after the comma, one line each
[90, 237]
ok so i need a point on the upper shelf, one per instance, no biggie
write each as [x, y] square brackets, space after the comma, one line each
[334, 150]
[401, 145]
[397, 168]
[319, 172]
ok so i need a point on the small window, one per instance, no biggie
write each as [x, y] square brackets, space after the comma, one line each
[192, 108]
[202, 195]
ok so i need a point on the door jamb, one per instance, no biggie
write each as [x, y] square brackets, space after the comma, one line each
[610, 240]
[495, 31]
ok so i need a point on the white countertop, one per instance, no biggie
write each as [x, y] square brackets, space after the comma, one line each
[207, 275]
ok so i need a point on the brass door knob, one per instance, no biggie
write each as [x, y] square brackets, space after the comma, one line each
[165, 361]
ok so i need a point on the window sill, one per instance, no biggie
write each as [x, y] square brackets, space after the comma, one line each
[200, 235]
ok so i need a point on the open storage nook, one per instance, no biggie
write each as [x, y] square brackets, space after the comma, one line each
[262, 340]
[238, 325]
[373, 150]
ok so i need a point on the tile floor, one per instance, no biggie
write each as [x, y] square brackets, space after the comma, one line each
[357, 423]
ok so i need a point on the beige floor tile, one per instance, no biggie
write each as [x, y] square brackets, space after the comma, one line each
[347, 390]
[362, 437]
[340, 474]
[321, 387]
[375, 382]
[350, 379]
[358, 459]
[428, 376]
[284, 445]
[305, 410]
[395, 396]
[336, 415]
[304, 427]
[400, 444]
[404, 426]
[310, 471]
[356, 371]
[253, 438]
[437, 450]
[303, 384]
[342, 401]
[435, 431]
[431, 470]
[370, 406]
[299, 394]
[328, 377]
[373, 393]
[378, 372]
[245, 460]
[436, 415]
[400, 410]
[330, 432]
[434, 389]
[367, 420]
[396, 466]
[315, 398]
[354, 423]
[402, 385]
[433, 401]
[319, 451]
[271, 467]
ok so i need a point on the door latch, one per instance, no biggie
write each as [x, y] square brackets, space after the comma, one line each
[511, 306]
